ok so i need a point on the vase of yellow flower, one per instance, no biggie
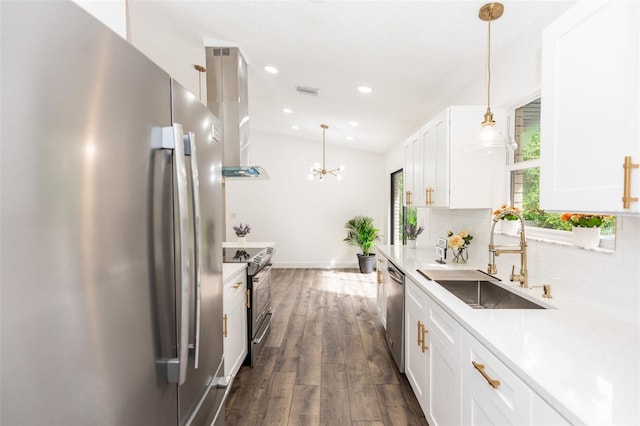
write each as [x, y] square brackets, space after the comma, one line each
[458, 244]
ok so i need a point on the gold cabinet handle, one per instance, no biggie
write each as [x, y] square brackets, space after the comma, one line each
[424, 339]
[429, 196]
[422, 330]
[248, 298]
[627, 199]
[224, 332]
[238, 284]
[380, 280]
[480, 367]
[408, 198]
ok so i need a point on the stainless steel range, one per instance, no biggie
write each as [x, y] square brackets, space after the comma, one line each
[259, 311]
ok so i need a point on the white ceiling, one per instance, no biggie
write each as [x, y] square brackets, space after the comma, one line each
[412, 53]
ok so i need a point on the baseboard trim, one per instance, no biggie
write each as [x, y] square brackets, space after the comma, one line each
[316, 265]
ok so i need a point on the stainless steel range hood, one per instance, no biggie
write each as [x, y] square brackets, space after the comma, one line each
[227, 98]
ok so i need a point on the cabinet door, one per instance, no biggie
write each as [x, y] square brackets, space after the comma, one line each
[445, 385]
[236, 340]
[413, 172]
[416, 349]
[590, 115]
[381, 296]
[429, 166]
[509, 402]
[454, 178]
[543, 414]
[440, 163]
[234, 323]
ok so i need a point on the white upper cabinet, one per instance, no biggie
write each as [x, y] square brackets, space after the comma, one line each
[590, 114]
[454, 178]
[413, 171]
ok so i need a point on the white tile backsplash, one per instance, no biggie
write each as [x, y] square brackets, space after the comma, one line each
[604, 282]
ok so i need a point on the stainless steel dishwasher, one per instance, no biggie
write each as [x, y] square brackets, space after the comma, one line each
[395, 315]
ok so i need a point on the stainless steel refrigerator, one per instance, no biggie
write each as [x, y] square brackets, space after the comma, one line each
[110, 274]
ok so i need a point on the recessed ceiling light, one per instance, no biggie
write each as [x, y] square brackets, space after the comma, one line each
[287, 110]
[271, 69]
[349, 138]
[365, 89]
[294, 127]
[354, 123]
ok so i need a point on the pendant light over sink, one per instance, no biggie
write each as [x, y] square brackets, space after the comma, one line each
[320, 170]
[489, 138]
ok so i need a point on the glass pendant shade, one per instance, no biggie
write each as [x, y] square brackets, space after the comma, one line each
[489, 138]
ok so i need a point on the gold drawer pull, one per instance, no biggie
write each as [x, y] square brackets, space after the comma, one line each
[224, 332]
[627, 199]
[480, 367]
[408, 198]
[420, 334]
[238, 284]
[429, 196]
[424, 339]
[380, 280]
[248, 298]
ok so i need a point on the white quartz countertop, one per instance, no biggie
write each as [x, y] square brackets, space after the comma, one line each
[248, 244]
[583, 363]
[230, 269]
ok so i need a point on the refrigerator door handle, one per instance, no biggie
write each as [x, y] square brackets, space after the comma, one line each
[172, 139]
[189, 140]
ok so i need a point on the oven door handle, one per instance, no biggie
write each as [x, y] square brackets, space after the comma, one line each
[257, 277]
[264, 332]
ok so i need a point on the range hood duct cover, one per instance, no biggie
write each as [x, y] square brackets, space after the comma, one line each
[227, 98]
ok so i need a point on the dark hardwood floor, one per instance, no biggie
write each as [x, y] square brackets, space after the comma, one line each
[326, 361]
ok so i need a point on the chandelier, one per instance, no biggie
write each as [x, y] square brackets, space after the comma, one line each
[489, 138]
[320, 170]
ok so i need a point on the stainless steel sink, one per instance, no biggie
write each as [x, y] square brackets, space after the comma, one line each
[485, 295]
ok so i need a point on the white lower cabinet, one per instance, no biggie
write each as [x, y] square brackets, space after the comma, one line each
[234, 322]
[431, 366]
[445, 374]
[456, 379]
[491, 393]
[543, 414]
[381, 282]
[415, 346]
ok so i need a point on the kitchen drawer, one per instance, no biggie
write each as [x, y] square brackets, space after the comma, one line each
[508, 403]
[235, 284]
[447, 329]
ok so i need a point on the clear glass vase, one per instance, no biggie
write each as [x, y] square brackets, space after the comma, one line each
[460, 255]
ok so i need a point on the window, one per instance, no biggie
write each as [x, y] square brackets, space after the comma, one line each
[396, 215]
[525, 173]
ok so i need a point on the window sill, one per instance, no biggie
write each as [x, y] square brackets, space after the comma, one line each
[563, 238]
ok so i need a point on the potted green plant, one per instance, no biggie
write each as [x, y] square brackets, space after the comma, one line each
[509, 224]
[361, 233]
[585, 230]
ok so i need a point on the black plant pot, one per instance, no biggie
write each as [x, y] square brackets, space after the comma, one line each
[366, 263]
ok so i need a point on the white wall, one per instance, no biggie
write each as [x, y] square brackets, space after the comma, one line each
[603, 282]
[306, 218]
[174, 51]
[112, 13]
